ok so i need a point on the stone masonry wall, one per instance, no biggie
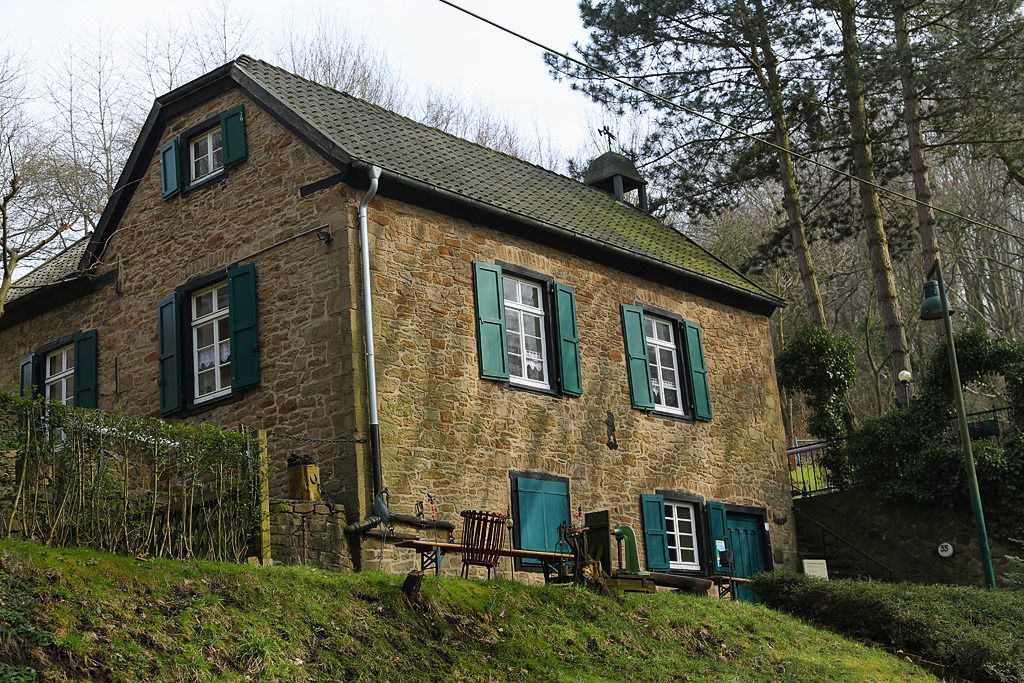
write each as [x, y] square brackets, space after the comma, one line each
[447, 431]
[308, 532]
[304, 341]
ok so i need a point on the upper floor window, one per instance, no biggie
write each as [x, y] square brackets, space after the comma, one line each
[59, 382]
[525, 332]
[665, 363]
[663, 360]
[211, 342]
[207, 154]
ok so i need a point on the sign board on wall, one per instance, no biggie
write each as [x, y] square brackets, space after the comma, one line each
[816, 568]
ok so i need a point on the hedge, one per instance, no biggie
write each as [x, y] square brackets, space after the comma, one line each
[974, 633]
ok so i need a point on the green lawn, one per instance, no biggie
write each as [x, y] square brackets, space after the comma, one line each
[72, 615]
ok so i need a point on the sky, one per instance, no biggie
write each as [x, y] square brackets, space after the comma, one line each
[428, 42]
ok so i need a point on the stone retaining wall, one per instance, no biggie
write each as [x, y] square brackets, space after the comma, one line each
[308, 532]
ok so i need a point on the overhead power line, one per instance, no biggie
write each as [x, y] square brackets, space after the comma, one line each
[624, 80]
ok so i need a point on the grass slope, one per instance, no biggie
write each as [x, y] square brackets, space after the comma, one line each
[68, 614]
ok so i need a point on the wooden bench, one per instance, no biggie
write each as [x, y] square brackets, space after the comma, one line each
[431, 554]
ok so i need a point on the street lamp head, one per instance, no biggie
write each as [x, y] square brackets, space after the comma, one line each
[905, 377]
[931, 309]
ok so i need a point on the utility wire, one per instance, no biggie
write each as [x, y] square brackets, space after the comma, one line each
[622, 80]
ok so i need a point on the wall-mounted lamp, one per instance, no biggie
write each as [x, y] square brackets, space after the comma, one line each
[325, 236]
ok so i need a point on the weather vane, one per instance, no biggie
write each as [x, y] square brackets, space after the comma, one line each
[606, 132]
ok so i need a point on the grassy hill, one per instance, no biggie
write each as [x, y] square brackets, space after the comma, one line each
[73, 615]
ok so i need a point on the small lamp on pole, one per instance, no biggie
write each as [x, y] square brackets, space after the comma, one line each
[936, 307]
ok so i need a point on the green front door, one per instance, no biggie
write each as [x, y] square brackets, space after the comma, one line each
[748, 545]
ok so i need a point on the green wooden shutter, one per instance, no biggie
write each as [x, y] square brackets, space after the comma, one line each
[640, 392]
[719, 534]
[245, 361]
[543, 504]
[170, 354]
[652, 507]
[170, 171]
[698, 371]
[232, 130]
[86, 351]
[492, 346]
[27, 376]
[568, 341]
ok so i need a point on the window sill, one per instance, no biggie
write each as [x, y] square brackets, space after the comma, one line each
[531, 390]
[210, 179]
[674, 417]
[203, 406]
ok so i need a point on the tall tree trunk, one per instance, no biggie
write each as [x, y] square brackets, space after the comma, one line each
[772, 86]
[915, 139]
[871, 208]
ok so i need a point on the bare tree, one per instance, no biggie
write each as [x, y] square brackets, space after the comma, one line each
[31, 223]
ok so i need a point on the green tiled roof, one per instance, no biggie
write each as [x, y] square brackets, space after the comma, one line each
[398, 144]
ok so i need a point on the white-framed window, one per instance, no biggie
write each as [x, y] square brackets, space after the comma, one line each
[663, 360]
[211, 342]
[59, 382]
[206, 152]
[681, 535]
[525, 332]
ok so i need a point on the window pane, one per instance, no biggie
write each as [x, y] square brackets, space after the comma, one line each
[685, 540]
[202, 167]
[217, 144]
[206, 358]
[671, 398]
[687, 556]
[670, 524]
[512, 321]
[223, 331]
[531, 325]
[534, 370]
[533, 346]
[222, 298]
[69, 358]
[54, 365]
[207, 382]
[515, 343]
[69, 388]
[672, 554]
[665, 355]
[204, 335]
[200, 148]
[52, 391]
[515, 365]
[511, 290]
[204, 304]
[664, 334]
[668, 377]
[225, 376]
[218, 159]
[531, 295]
[225, 352]
[656, 390]
[652, 356]
[648, 328]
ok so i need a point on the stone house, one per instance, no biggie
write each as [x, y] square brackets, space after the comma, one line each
[542, 346]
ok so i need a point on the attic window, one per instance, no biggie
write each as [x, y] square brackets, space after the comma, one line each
[207, 154]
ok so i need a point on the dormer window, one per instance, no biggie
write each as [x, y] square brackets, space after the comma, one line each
[207, 154]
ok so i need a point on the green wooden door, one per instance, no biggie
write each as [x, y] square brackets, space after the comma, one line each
[748, 545]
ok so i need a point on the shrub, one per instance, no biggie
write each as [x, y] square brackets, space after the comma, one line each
[973, 632]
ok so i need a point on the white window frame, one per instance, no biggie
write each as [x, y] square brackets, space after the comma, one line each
[672, 346]
[673, 536]
[67, 395]
[215, 316]
[208, 137]
[519, 309]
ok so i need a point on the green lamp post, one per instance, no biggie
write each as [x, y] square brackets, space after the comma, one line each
[935, 307]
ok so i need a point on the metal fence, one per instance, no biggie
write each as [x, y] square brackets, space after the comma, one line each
[807, 473]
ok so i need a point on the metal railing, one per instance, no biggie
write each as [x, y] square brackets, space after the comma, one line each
[808, 475]
[987, 424]
[845, 559]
